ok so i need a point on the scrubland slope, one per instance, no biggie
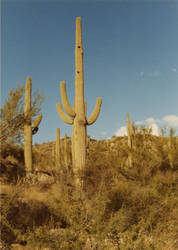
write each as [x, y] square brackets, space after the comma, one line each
[120, 207]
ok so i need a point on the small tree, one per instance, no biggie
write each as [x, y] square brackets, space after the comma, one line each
[12, 118]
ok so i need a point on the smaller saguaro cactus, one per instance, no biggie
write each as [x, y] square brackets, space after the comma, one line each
[29, 127]
[58, 149]
[129, 135]
[65, 151]
[171, 147]
[129, 131]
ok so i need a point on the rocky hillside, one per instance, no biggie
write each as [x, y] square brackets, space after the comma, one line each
[119, 207]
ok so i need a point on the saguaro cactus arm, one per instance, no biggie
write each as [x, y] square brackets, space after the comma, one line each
[37, 121]
[69, 110]
[63, 116]
[96, 112]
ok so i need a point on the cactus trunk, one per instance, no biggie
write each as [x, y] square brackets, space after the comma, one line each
[73, 147]
[77, 114]
[80, 119]
[130, 160]
[27, 127]
[129, 131]
[28, 147]
[58, 149]
[65, 152]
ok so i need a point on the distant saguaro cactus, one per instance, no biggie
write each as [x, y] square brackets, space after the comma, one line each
[77, 115]
[129, 134]
[66, 151]
[129, 131]
[58, 149]
[29, 127]
[171, 147]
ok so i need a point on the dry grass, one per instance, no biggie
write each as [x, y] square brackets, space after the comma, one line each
[119, 208]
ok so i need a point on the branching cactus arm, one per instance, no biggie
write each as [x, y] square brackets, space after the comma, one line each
[96, 112]
[63, 116]
[69, 110]
[37, 121]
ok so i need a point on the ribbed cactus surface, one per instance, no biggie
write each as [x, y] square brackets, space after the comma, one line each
[29, 127]
[58, 149]
[129, 134]
[76, 116]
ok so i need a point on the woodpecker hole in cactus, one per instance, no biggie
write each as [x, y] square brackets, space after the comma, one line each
[34, 130]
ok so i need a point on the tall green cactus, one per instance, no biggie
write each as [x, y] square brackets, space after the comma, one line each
[77, 115]
[66, 151]
[58, 149]
[129, 135]
[129, 131]
[62, 152]
[29, 127]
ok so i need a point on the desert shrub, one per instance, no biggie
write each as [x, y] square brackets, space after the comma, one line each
[11, 170]
[20, 216]
[120, 207]
[43, 159]
[12, 115]
[55, 239]
[10, 151]
[8, 235]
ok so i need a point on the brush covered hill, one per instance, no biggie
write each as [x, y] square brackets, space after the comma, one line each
[121, 206]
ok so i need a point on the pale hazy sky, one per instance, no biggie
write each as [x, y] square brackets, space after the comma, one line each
[130, 59]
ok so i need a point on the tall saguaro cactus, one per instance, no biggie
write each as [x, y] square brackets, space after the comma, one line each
[58, 149]
[129, 134]
[77, 115]
[29, 127]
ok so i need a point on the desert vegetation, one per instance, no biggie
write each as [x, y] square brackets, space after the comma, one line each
[81, 193]
[119, 207]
